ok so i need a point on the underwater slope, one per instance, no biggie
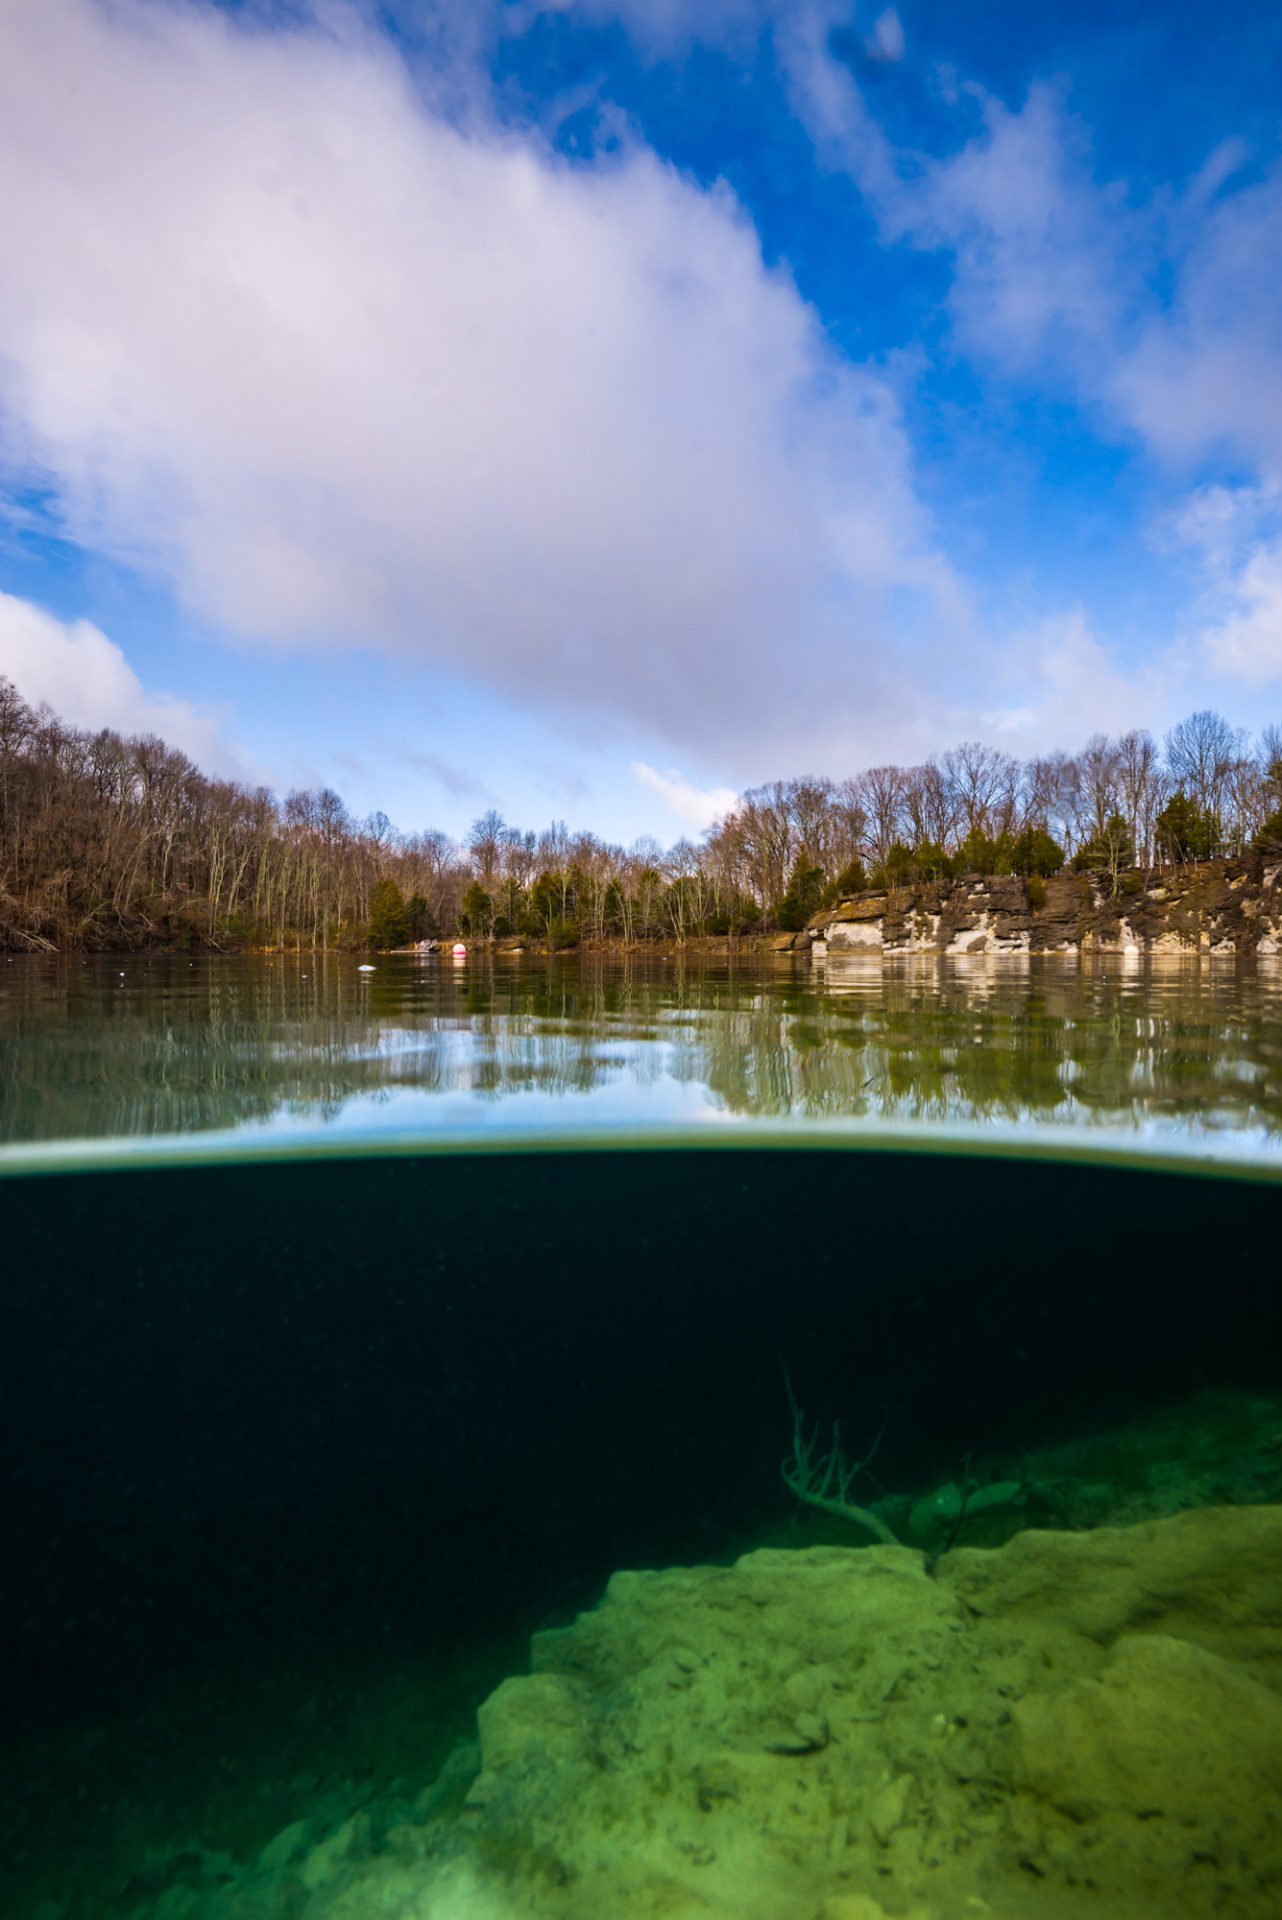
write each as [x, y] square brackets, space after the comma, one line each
[1070, 1724]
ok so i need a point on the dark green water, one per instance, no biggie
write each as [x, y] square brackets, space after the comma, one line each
[1182, 1057]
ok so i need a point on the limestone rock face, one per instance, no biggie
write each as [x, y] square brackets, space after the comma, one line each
[1211, 1575]
[1071, 1725]
[1219, 906]
[1166, 1731]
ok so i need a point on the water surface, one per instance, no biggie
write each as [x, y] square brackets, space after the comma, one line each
[1181, 1057]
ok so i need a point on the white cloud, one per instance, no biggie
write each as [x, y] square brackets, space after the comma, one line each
[1223, 161]
[1056, 271]
[343, 368]
[1067, 684]
[697, 806]
[1248, 641]
[1236, 534]
[1057, 274]
[827, 101]
[1205, 375]
[87, 681]
[886, 41]
[1036, 246]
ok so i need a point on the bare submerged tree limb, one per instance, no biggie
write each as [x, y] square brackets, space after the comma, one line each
[823, 1479]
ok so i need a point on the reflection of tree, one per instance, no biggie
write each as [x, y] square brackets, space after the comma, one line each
[1051, 1040]
[175, 1045]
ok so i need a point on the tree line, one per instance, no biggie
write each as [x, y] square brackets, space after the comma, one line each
[110, 841]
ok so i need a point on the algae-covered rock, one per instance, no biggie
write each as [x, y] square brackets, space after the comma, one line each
[1069, 1724]
[1165, 1731]
[1211, 1575]
[1072, 1725]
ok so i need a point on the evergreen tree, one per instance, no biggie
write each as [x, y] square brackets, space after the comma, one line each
[899, 864]
[1036, 853]
[978, 853]
[805, 885]
[389, 921]
[851, 879]
[931, 861]
[1184, 831]
[477, 913]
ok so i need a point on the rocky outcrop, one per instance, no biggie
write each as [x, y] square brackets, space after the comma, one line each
[1071, 1725]
[1219, 907]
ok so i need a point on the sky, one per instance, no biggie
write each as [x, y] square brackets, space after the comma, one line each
[592, 409]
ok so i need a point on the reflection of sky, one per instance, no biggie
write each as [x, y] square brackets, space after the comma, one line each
[400, 1119]
[261, 1054]
[625, 1101]
[630, 1104]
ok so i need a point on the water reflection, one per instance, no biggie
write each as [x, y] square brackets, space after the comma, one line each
[118, 1048]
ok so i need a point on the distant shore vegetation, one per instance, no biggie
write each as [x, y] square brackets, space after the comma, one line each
[108, 841]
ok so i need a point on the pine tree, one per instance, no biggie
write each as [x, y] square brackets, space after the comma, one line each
[389, 922]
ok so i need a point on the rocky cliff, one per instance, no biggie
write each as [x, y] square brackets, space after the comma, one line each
[1219, 907]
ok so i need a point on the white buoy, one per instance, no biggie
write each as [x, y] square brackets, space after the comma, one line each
[365, 969]
[459, 950]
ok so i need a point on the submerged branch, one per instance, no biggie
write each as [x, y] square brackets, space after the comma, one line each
[823, 1479]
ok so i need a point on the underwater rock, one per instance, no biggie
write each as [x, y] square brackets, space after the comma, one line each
[1211, 1575]
[1166, 1731]
[1073, 1722]
[1070, 1725]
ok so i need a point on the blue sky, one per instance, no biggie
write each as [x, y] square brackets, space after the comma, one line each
[592, 409]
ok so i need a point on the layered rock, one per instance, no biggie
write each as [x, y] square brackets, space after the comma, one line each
[1070, 1725]
[1219, 907]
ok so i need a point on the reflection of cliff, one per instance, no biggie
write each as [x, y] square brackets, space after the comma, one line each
[1223, 907]
[170, 1045]
[1051, 1040]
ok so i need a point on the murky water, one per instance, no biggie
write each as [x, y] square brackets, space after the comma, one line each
[1185, 1057]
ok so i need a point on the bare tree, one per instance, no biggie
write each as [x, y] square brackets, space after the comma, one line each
[485, 843]
[929, 806]
[107, 839]
[1243, 802]
[1045, 782]
[1199, 753]
[762, 826]
[809, 803]
[881, 793]
[1271, 761]
[982, 781]
[1142, 786]
[849, 826]
[1099, 784]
